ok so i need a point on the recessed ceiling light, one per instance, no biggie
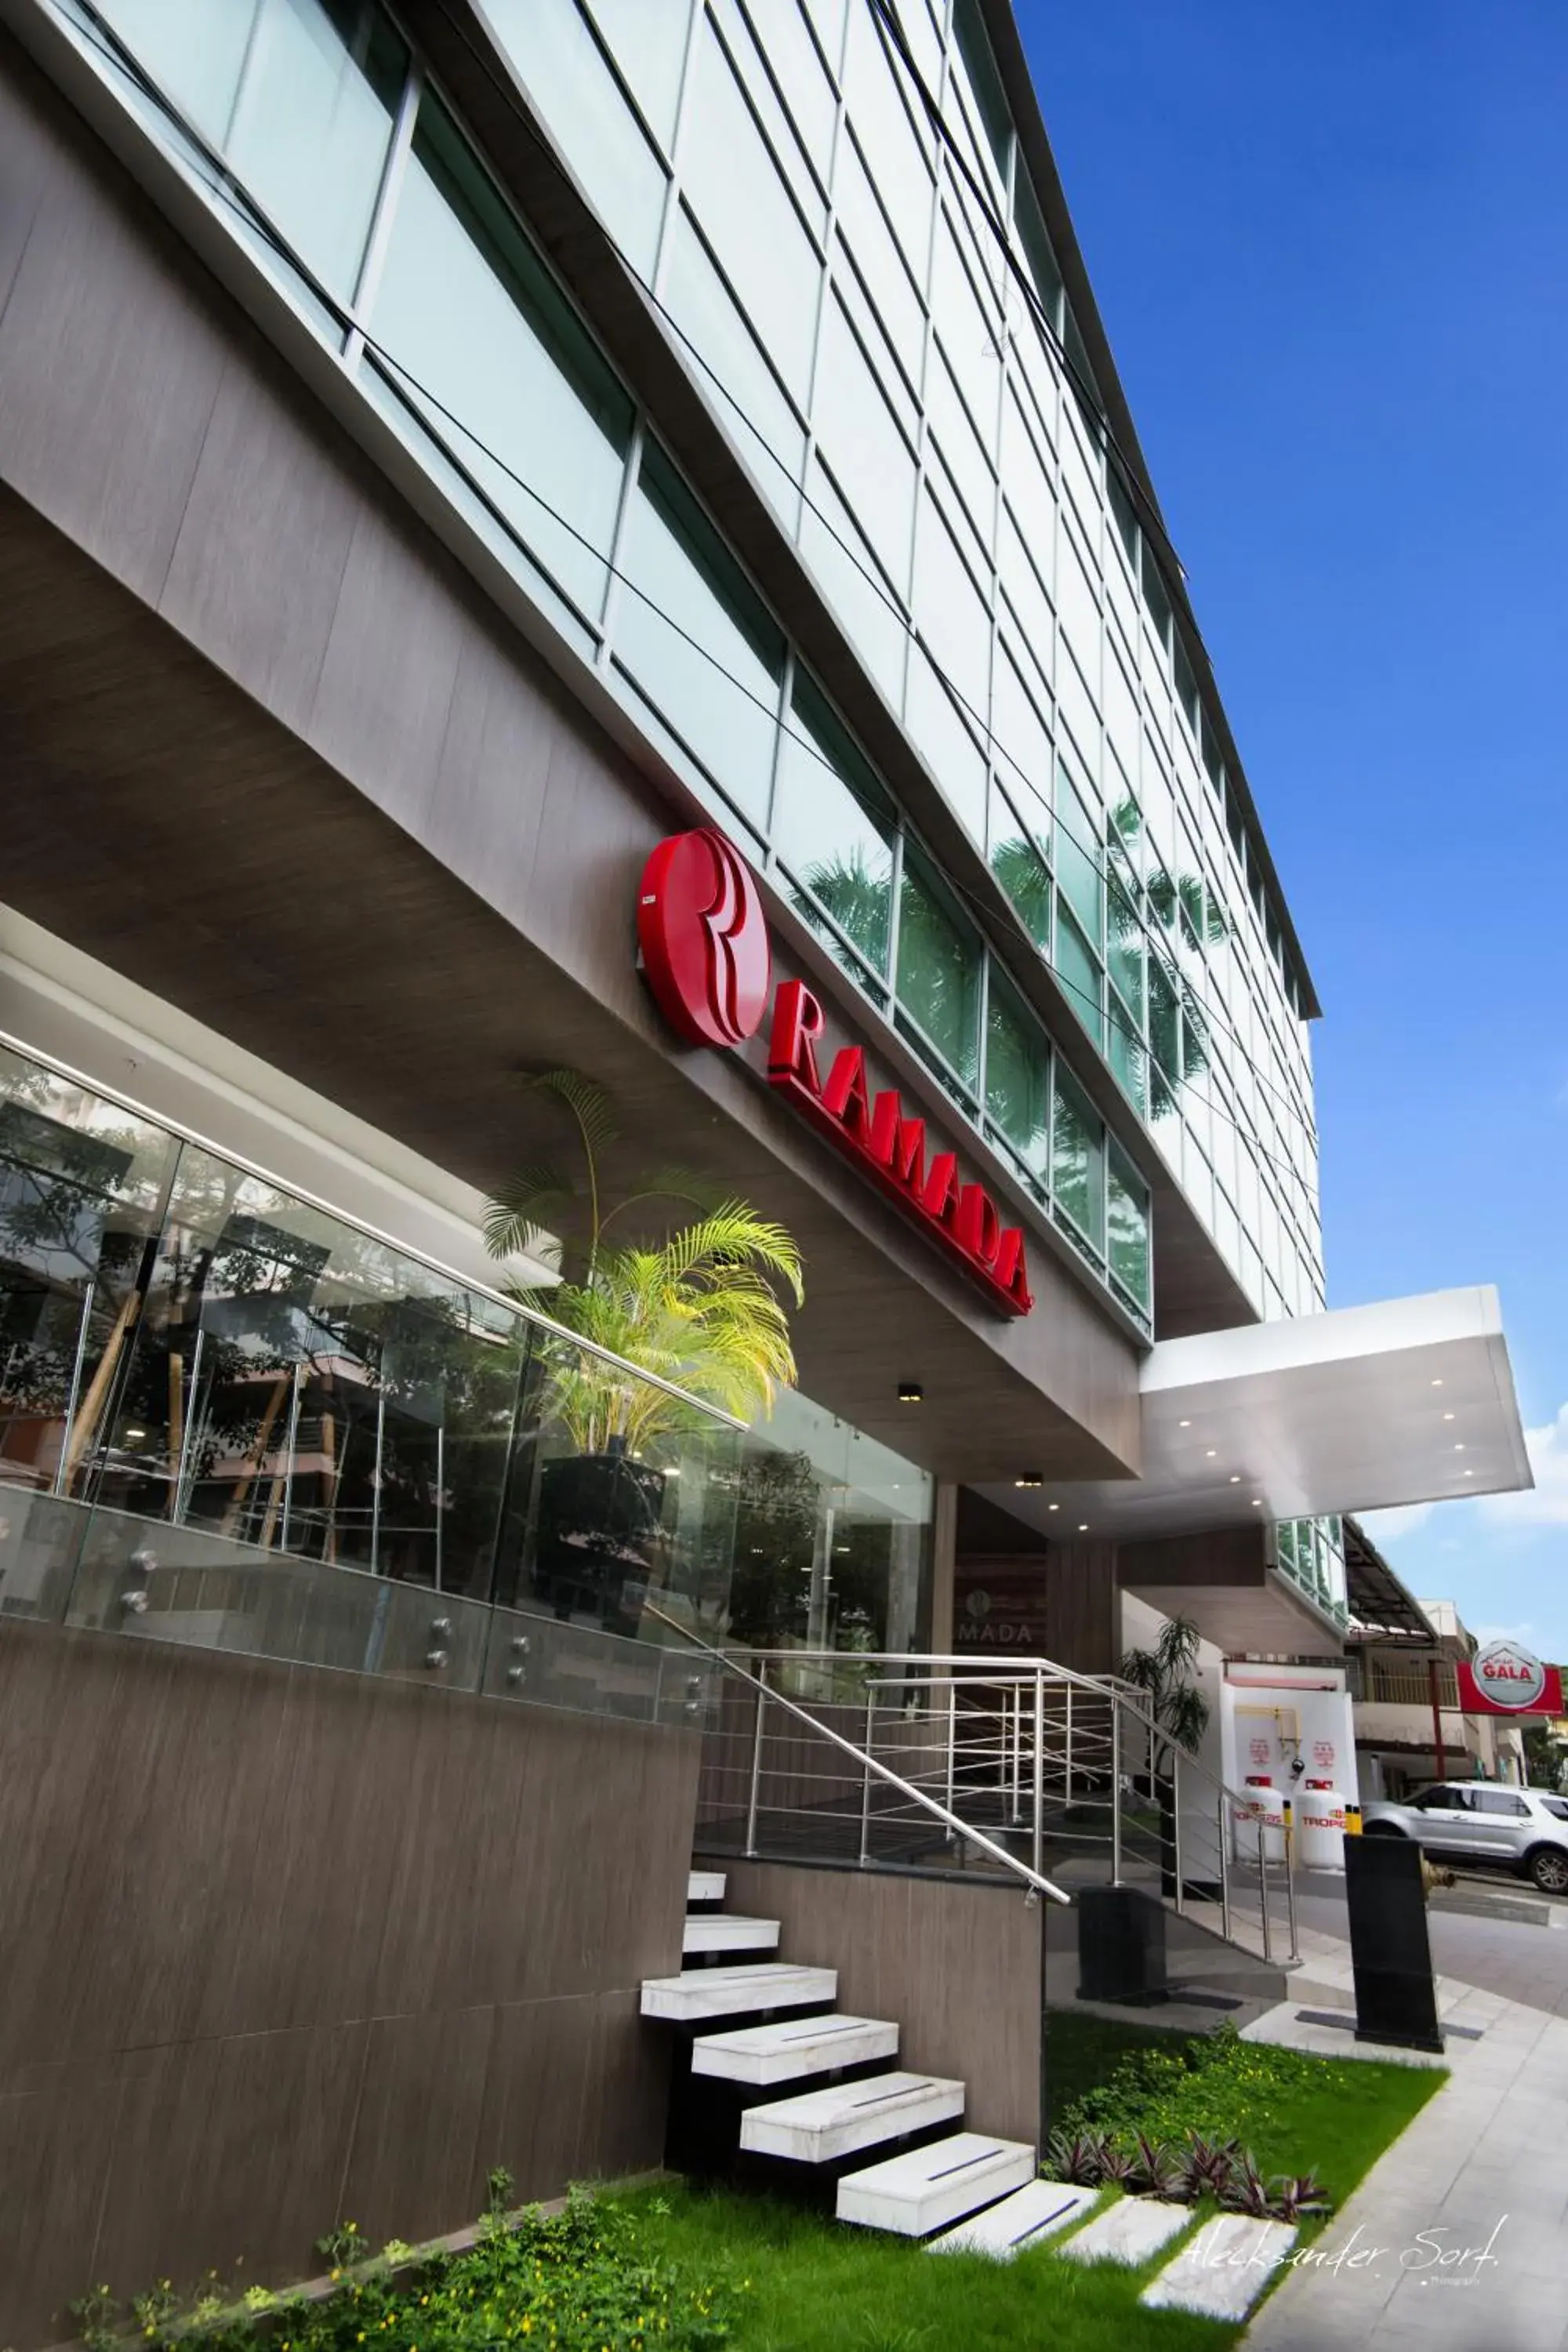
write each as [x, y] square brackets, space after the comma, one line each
[1029, 1478]
[1437, 1384]
[1235, 1477]
[1447, 1416]
[1460, 1447]
[1184, 1425]
[910, 1393]
[1469, 1474]
[1053, 1507]
[1083, 1527]
[1212, 1452]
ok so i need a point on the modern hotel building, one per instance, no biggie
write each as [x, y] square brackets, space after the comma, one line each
[445, 452]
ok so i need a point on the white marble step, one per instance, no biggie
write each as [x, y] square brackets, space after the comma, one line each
[700, 1993]
[1224, 2270]
[1027, 2218]
[819, 2126]
[932, 2187]
[1128, 2232]
[784, 2051]
[705, 1886]
[727, 1931]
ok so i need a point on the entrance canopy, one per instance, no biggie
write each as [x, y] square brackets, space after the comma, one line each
[1411, 1401]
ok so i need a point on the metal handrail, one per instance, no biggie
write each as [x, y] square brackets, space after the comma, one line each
[1034, 1880]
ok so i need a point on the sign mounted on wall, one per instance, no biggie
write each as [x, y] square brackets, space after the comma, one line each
[1505, 1679]
[706, 953]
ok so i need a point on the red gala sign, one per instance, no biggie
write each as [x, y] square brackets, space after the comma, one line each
[1505, 1679]
[705, 950]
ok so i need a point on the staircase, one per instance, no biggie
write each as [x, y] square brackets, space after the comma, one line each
[758, 2024]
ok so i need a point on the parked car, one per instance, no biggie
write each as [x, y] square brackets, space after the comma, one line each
[1480, 1821]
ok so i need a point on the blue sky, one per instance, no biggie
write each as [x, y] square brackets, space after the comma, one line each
[1329, 243]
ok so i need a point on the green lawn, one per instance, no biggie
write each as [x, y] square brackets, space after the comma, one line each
[819, 2285]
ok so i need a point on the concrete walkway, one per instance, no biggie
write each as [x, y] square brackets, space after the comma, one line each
[1457, 2239]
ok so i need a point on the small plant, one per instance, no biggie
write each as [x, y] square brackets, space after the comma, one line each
[343, 2247]
[153, 2311]
[1206, 2167]
[1156, 2169]
[1077, 2156]
[1118, 2166]
[1299, 2196]
[1246, 2191]
[95, 2314]
[500, 2190]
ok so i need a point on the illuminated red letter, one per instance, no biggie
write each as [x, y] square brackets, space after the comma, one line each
[941, 1195]
[844, 1096]
[1011, 1272]
[979, 1229]
[798, 1021]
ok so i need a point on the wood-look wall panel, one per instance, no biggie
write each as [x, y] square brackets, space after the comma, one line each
[267, 1929]
[958, 1967]
[93, 326]
[267, 500]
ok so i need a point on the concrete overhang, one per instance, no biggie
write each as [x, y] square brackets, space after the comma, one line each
[1410, 1401]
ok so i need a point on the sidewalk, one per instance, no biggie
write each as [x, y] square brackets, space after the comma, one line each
[1457, 2239]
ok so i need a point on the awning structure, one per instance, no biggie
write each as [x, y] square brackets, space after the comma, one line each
[1411, 1401]
[1381, 1609]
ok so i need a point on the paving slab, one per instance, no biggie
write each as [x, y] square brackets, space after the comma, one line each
[1029, 2218]
[1130, 2231]
[1225, 2269]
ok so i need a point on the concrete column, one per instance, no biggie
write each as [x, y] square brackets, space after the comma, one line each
[945, 1534]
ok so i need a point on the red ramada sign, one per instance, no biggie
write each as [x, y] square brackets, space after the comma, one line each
[705, 950]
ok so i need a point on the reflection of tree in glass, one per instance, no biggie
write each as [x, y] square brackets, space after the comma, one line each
[700, 1307]
[858, 900]
[775, 1536]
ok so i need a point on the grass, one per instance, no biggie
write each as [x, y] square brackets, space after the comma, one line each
[806, 2283]
[1082, 2049]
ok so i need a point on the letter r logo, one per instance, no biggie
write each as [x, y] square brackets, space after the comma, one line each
[704, 938]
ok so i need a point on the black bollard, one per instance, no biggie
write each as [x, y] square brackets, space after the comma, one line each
[1120, 1946]
[1395, 1997]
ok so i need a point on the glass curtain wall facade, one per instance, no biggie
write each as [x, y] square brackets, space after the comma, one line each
[404, 257]
[230, 1372]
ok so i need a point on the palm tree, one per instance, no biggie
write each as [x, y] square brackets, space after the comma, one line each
[1177, 1708]
[701, 1307]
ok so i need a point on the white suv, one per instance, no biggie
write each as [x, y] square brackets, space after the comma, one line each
[1481, 1820]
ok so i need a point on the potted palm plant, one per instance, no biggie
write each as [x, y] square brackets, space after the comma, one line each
[698, 1302]
[1179, 1709]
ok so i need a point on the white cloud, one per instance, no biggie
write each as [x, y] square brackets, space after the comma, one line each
[1403, 1520]
[1546, 1504]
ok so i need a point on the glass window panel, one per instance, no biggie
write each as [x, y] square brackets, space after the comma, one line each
[952, 613]
[1079, 973]
[1127, 1218]
[1078, 1157]
[961, 450]
[756, 414]
[988, 102]
[564, 72]
[860, 438]
[970, 334]
[1077, 862]
[194, 52]
[843, 562]
[1020, 869]
[648, 40]
[80, 1185]
[694, 634]
[1076, 708]
[466, 306]
[1157, 600]
[831, 827]
[312, 125]
[1032, 236]
[878, 261]
[1022, 746]
[1125, 942]
[785, 135]
[939, 969]
[1077, 609]
[945, 737]
[747, 216]
[893, 149]
[1128, 1059]
[1164, 1017]
[1018, 1077]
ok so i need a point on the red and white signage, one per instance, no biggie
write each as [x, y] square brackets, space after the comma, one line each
[705, 950]
[1505, 1679]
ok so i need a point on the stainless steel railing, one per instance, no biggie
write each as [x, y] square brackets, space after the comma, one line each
[947, 1761]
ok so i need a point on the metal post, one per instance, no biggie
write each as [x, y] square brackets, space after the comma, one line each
[293, 1451]
[1442, 1760]
[1116, 1792]
[757, 1765]
[179, 1495]
[1224, 1871]
[63, 1466]
[440, 1491]
[952, 1739]
[1263, 1894]
[375, 1481]
[1066, 1747]
[1018, 1749]
[1038, 1790]
[1176, 1829]
[1290, 1875]
[866, 1780]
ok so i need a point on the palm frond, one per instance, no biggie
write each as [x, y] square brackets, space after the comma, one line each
[522, 1207]
[589, 1103]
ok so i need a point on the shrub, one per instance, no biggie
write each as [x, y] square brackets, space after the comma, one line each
[579, 2280]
